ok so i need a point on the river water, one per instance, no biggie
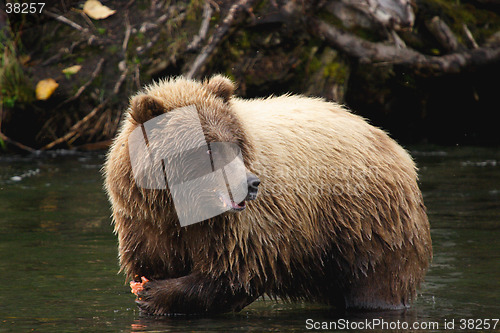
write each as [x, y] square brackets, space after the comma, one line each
[59, 269]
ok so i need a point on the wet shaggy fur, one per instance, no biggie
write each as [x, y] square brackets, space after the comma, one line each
[338, 219]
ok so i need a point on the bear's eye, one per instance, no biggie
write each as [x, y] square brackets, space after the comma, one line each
[209, 152]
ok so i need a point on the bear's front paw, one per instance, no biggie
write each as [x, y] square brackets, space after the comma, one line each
[148, 297]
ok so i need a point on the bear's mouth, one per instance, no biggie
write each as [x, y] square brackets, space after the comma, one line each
[233, 206]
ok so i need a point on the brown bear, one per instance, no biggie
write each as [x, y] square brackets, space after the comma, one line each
[338, 217]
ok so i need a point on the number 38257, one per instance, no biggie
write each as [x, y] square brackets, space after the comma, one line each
[24, 8]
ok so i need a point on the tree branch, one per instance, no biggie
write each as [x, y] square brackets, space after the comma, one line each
[202, 34]
[370, 52]
[470, 41]
[15, 143]
[218, 36]
[76, 127]
[96, 72]
[444, 35]
[67, 21]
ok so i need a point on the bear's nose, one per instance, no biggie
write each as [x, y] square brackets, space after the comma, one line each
[253, 182]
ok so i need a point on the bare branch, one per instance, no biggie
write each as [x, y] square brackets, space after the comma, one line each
[15, 143]
[137, 77]
[96, 72]
[444, 35]
[128, 29]
[5, 138]
[202, 34]
[471, 42]
[64, 20]
[73, 131]
[218, 36]
[119, 83]
[63, 51]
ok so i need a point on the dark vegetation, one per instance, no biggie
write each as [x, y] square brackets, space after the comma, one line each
[427, 74]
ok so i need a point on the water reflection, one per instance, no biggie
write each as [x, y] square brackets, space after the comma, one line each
[58, 256]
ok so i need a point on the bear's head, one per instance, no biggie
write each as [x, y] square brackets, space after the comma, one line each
[187, 149]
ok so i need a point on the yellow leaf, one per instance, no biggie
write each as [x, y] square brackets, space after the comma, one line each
[72, 70]
[97, 10]
[45, 88]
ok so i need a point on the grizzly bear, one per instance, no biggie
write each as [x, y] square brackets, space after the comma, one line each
[333, 212]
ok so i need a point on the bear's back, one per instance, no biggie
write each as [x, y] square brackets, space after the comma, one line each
[299, 131]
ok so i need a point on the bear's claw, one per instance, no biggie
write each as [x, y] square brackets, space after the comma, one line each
[137, 287]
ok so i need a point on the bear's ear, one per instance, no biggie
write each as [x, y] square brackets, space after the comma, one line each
[221, 86]
[145, 107]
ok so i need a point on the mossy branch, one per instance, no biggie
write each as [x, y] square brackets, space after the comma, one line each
[370, 52]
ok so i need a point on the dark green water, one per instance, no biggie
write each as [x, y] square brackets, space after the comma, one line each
[58, 262]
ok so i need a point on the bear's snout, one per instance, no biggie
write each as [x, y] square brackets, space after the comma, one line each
[253, 183]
